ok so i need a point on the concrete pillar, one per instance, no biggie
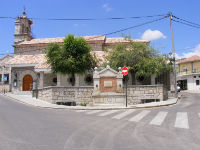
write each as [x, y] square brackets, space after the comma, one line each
[58, 79]
[77, 80]
[153, 79]
[41, 85]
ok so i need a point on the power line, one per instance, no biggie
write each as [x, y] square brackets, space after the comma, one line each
[186, 48]
[88, 19]
[136, 26]
[186, 21]
[124, 29]
[7, 17]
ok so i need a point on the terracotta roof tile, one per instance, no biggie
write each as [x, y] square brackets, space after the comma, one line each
[87, 38]
[122, 40]
[5, 59]
[39, 60]
[189, 59]
[42, 41]
[59, 40]
[43, 66]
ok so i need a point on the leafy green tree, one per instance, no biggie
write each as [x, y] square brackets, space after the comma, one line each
[71, 57]
[142, 60]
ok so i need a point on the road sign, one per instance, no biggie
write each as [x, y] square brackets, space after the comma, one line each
[124, 71]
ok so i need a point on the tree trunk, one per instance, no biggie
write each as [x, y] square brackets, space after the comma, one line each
[73, 79]
[133, 77]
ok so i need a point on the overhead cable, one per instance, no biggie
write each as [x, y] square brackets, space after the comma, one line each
[128, 28]
[186, 21]
[87, 19]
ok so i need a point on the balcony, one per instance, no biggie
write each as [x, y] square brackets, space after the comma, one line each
[188, 72]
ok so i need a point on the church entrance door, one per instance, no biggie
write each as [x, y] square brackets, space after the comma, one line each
[27, 83]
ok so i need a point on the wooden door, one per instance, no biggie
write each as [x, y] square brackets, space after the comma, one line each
[27, 83]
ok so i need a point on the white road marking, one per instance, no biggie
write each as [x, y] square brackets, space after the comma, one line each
[81, 110]
[139, 116]
[199, 115]
[181, 120]
[93, 112]
[123, 114]
[108, 112]
[159, 118]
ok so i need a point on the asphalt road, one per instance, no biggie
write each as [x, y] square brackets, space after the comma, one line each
[176, 127]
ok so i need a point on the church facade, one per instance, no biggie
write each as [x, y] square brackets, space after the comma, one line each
[29, 67]
[29, 70]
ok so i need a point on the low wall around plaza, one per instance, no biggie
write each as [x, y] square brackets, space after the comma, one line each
[137, 94]
[54, 94]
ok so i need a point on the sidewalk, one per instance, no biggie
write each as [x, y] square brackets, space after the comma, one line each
[190, 91]
[27, 99]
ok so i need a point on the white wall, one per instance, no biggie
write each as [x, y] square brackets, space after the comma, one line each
[191, 82]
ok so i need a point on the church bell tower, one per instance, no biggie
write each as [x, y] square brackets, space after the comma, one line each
[22, 29]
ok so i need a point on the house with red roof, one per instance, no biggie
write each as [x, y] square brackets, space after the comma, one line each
[188, 73]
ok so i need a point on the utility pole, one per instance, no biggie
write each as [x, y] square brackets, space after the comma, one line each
[173, 54]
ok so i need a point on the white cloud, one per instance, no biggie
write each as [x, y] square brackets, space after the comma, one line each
[152, 35]
[106, 7]
[76, 25]
[195, 51]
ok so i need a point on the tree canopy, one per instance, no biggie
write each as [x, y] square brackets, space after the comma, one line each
[71, 57]
[140, 58]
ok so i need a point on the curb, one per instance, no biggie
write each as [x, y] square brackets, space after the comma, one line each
[159, 105]
[90, 108]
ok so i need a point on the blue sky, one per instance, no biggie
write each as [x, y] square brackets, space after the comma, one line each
[186, 38]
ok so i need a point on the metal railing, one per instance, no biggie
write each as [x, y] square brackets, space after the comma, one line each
[188, 72]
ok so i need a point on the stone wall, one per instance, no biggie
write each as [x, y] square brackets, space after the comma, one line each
[5, 87]
[4, 70]
[41, 48]
[45, 94]
[30, 49]
[96, 46]
[66, 94]
[48, 79]
[83, 95]
[18, 74]
[137, 93]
